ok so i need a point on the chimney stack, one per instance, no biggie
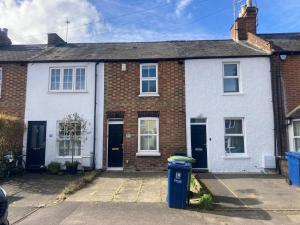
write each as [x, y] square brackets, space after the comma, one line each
[55, 40]
[246, 22]
[4, 40]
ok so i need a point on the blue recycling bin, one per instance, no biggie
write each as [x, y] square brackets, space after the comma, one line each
[178, 184]
[294, 167]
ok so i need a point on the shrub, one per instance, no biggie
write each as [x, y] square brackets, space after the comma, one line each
[54, 167]
[206, 202]
[11, 135]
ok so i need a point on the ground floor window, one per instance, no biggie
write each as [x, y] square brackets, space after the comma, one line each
[234, 136]
[148, 134]
[296, 129]
[67, 145]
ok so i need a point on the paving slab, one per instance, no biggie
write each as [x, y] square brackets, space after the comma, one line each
[261, 191]
[28, 192]
[124, 187]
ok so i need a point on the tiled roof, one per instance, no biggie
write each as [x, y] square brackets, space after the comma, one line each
[284, 41]
[129, 51]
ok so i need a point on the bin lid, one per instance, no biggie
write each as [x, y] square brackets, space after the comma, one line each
[293, 154]
[179, 165]
[181, 158]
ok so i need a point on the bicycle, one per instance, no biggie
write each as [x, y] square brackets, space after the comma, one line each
[10, 165]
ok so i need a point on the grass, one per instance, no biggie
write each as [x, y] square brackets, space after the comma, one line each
[202, 197]
[80, 183]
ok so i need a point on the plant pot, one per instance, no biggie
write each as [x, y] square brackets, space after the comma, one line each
[72, 169]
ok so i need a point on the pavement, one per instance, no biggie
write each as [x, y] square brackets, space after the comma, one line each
[139, 198]
[125, 187]
[252, 191]
[31, 191]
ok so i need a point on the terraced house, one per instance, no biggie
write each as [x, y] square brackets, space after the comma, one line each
[213, 100]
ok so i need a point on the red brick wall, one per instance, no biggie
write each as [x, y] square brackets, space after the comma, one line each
[13, 94]
[291, 81]
[122, 91]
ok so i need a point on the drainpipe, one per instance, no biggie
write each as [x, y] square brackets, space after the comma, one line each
[95, 117]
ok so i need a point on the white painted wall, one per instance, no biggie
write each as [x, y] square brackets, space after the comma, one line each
[42, 105]
[205, 98]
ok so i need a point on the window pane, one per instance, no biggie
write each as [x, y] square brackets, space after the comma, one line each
[145, 71]
[233, 127]
[230, 70]
[0, 74]
[145, 86]
[55, 79]
[152, 71]
[143, 127]
[152, 86]
[144, 143]
[234, 144]
[231, 85]
[296, 128]
[152, 129]
[297, 144]
[80, 79]
[152, 142]
[198, 120]
[67, 80]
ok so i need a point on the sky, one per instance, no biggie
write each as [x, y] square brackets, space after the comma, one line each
[29, 21]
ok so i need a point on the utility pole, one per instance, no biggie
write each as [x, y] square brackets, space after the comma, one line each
[67, 22]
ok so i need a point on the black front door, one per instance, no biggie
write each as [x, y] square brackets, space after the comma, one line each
[199, 149]
[115, 145]
[36, 144]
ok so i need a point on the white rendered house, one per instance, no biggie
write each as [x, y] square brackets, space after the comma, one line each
[229, 114]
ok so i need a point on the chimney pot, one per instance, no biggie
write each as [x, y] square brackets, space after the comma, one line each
[249, 3]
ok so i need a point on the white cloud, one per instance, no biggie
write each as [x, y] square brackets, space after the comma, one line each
[29, 21]
[181, 5]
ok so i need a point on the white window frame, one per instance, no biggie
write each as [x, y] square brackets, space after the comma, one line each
[238, 77]
[1, 81]
[148, 79]
[58, 139]
[295, 137]
[243, 154]
[148, 152]
[74, 68]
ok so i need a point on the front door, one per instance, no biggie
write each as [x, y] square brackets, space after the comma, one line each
[115, 145]
[36, 144]
[198, 142]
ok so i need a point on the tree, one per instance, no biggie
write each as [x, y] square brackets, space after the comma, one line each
[74, 128]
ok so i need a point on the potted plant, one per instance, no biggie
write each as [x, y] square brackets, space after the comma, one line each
[54, 168]
[72, 167]
[75, 128]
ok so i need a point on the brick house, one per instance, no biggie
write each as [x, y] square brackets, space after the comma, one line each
[145, 101]
[13, 74]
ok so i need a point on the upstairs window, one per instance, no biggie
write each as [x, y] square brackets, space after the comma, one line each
[296, 129]
[67, 79]
[234, 136]
[1, 79]
[148, 79]
[231, 78]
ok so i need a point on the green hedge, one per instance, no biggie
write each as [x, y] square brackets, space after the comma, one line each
[11, 135]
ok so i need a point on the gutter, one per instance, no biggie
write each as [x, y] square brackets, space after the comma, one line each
[95, 117]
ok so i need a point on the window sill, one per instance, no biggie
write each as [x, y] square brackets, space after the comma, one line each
[69, 157]
[149, 95]
[233, 94]
[148, 154]
[236, 157]
[56, 92]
